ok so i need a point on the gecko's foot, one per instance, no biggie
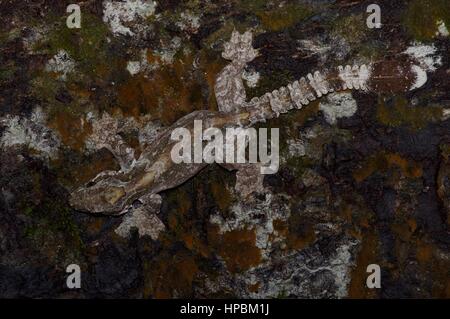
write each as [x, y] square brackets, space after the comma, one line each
[240, 49]
[143, 216]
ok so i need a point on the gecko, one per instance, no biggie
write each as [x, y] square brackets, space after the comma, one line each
[114, 192]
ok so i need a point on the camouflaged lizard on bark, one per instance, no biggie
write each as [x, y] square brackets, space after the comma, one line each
[113, 193]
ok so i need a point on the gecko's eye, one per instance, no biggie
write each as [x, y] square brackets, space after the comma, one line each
[137, 203]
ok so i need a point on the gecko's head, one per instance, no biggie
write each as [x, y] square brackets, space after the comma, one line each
[100, 196]
[240, 48]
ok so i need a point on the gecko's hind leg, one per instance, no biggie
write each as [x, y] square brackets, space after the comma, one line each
[143, 216]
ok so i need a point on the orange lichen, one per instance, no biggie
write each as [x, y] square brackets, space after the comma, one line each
[385, 161]
[183, 224]
[221, 195]
[254, 288]
[409, 243]
[167, 94]
[78, 173]
[300, 232]
[403, 231]
[236, 247]
[424, 253]
[280, 227]
[152, 58]
[72, 129]
[169, 275]
[401, 113]
[367, 255]
[358, 218]
[188, 240]
[95, 226]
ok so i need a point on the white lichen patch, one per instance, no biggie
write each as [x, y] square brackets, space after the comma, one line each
[442, 29]
[167, 53]
[251, 78]
[426, 55]
[134, 67]
[421, 77]
[163, 56]
[62, 64]
[340, 267]
[338, 105]
[296, 148]
[119, 15]
[148, 133]
[34, 35]
[245, 217]
[446, 114]
[315, 47]
[300, 274]
[142, 65]
[428, 61]
[189, 22]
[32, 133]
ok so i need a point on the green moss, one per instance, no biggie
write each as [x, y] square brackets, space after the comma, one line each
[284, 17]
[223, 33]
[87, 45]
[252, 5]
[282, 294]
[28, 210]
[399, 113]
[276, 15]
[6, 36]
[445, 150]
[299, 165]
[44, 87]
[7, 71]
[52, 224]
[421, 18]
[352, 28]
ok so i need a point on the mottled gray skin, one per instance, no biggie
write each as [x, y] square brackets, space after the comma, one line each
[112, 193]
[229, 87]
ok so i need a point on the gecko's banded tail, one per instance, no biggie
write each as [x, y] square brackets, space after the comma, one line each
[377, 77]
[393, 75]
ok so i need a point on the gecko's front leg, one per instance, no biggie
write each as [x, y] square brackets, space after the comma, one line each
[105, 134]
[229, 87]
[143, 217]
